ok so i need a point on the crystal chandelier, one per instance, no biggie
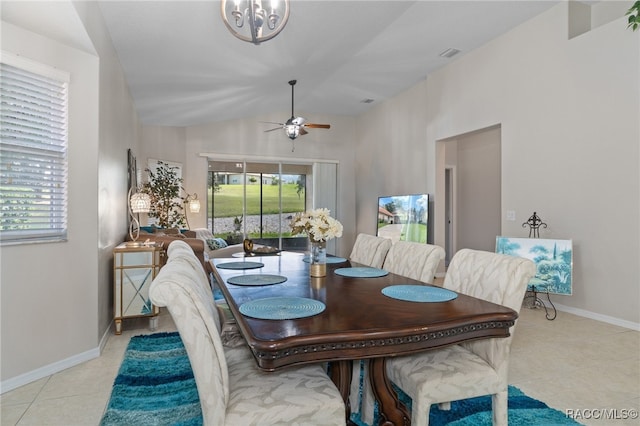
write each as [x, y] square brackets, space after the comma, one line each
[247, 20]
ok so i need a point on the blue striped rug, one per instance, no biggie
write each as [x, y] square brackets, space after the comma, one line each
[155, 386]
[523, 411]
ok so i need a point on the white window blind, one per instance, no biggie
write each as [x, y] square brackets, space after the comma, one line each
[33, 155]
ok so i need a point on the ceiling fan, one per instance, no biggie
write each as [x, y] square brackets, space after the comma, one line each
[296, 126]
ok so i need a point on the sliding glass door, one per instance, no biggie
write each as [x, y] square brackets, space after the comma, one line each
[257, 200]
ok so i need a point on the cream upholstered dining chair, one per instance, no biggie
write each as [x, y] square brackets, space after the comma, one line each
[473, 368]
[231, 388]
[418, 261]
[370, 250]
[229, 331]
[414, 260]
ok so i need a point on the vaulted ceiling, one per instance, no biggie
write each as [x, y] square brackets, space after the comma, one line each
[183, 67]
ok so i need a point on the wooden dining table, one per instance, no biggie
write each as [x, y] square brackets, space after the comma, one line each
[358, 322]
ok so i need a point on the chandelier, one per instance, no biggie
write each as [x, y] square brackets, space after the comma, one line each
[261, 24]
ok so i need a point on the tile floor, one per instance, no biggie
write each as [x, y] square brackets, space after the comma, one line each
[569, 363]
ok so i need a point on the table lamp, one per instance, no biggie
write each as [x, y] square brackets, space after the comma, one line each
[139, 202]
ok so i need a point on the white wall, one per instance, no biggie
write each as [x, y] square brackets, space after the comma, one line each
[392, 155]
[569, 114]
[50, 291]
[119, 130]
[57, 302]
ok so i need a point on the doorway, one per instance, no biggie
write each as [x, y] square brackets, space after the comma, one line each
[449, 197]
[469, 196]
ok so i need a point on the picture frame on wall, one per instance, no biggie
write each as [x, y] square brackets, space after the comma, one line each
[553, 259]
[132, 171]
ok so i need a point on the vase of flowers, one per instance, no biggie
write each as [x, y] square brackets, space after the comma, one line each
[319, 227]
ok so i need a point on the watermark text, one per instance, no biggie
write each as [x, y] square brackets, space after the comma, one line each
[601, 413]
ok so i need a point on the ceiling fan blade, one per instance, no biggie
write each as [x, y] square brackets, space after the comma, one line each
[271, 130]
[317, 126]
[272, 122]
[303, 131]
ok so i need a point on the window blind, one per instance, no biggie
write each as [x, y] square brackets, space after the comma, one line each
[33, 156]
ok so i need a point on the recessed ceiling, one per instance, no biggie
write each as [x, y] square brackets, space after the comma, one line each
[183, 67]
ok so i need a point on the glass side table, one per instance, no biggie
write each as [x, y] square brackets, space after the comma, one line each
[134, 267]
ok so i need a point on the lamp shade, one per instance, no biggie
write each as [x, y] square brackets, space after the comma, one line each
[140, 203]
[194, 206]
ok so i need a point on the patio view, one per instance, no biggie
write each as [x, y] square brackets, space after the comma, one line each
[257, 205]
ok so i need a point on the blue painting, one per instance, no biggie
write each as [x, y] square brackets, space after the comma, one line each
[553, 259]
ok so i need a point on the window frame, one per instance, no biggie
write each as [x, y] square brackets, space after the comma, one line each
[47, 149]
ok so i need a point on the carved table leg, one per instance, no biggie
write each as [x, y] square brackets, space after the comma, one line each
[341, 377]
[392, 411]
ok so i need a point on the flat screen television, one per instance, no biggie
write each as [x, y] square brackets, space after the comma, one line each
[404, 217]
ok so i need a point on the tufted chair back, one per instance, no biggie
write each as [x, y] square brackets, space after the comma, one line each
[370, 250]
[414, 260]
[498, 278]
[179, 288]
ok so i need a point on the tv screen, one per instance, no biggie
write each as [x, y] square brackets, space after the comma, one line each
[403, 217]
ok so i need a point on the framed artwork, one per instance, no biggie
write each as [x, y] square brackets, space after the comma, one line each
[553, 259]
[132, 171]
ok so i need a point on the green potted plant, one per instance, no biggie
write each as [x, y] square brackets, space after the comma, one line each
[164, 186]
[634, 16]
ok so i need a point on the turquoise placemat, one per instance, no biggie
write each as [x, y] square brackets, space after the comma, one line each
[240, 265]
[282, 308]
[419, 293]
[361, 272]
[256, 279]
[330, 259]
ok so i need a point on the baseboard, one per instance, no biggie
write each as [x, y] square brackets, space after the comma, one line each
[47, 370]
[598, 317]
[56, 367]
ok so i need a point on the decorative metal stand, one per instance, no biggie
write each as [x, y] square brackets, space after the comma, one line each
[532, 301]
[534, 223]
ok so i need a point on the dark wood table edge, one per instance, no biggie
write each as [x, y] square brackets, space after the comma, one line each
[377, 347]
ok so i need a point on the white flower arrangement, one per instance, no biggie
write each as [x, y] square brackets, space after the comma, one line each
[317, 224]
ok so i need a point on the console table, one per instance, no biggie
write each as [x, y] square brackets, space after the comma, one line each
[134, 267]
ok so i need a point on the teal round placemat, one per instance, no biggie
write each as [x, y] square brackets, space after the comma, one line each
[361, 272]
[240, 265]
[330, 259]
[419, 293]
[282, 308]
[256, 279]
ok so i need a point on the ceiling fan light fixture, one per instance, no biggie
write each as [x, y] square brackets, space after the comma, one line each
[295, 126]
[236, 12]
[292, 131]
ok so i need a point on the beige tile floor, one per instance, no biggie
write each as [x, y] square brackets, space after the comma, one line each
[569, 363]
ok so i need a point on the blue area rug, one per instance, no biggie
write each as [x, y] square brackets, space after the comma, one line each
[523, 411]
[155, 386]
